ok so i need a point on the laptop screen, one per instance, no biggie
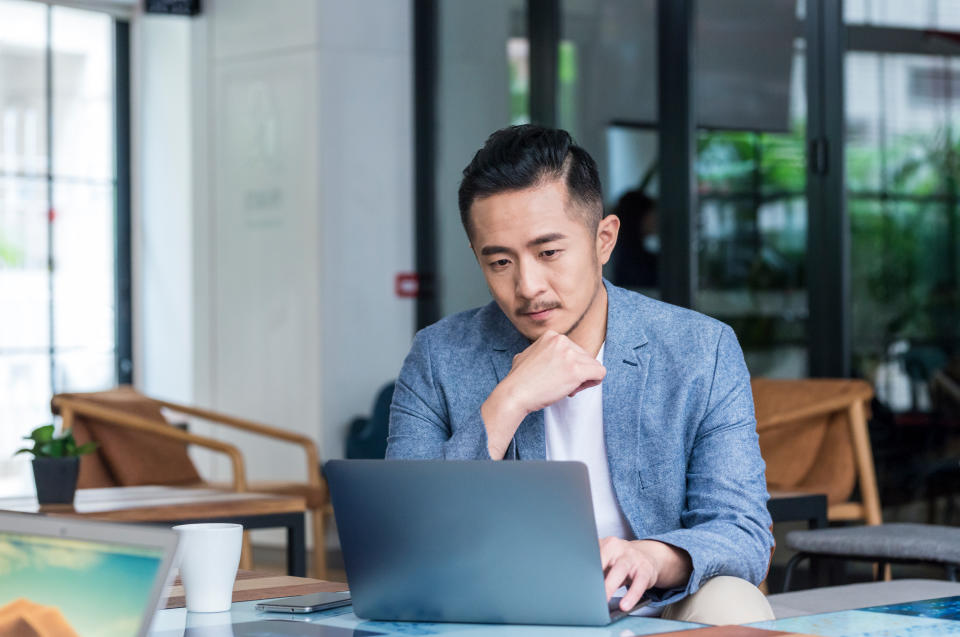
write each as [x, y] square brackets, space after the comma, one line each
[66, 587]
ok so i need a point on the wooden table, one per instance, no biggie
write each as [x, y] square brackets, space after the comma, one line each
[253, 585]
[184, 505]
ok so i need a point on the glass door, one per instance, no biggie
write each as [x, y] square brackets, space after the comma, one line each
[903, 170]
[751, 178]
[57, 210]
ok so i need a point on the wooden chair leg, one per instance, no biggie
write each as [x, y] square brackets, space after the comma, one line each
[318, 529]
[246, 553]
[866, 473]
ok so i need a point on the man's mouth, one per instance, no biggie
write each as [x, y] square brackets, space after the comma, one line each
[541, 314]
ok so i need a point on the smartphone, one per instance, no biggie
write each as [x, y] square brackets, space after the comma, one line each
[305, 603]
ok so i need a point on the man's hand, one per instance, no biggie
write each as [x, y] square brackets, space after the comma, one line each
[552, 367]
[641, 565]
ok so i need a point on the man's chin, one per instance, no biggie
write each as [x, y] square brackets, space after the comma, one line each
[534, 330]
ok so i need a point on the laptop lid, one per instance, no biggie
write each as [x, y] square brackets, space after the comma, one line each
[74, 577]
[469, 541]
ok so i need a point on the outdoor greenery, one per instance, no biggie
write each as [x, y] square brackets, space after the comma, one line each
[904, 210]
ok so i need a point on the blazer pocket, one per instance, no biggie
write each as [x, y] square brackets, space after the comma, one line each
[653, 474]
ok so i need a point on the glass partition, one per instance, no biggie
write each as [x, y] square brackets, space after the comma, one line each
[57, 210]
[482, 85]
[903, 112]
[751, 180]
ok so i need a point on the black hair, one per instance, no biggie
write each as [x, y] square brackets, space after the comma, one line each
[520, 157]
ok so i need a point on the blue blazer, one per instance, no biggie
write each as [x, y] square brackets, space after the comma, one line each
[677, 418]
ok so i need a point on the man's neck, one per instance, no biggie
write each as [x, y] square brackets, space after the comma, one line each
[591, 331]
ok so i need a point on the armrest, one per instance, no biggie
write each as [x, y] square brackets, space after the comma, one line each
[68, 407]
[308, 445]
[840, 403]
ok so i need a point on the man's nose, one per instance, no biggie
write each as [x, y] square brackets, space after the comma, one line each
[530, 281]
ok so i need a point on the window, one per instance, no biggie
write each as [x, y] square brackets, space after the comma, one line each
[903, 197]
[58, 203]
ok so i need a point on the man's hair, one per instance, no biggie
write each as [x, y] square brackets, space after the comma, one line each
[520, 157]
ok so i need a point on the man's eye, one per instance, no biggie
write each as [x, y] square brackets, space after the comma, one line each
[500, 263]
[549, 253]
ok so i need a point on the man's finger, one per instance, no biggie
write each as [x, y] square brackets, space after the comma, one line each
[608, 551]
[638, 587]
[615, 578]
[585, 385]
[593, 374]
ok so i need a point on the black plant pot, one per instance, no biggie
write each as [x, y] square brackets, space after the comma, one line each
[56, 479]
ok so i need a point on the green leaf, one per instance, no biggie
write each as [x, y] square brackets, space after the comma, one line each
[24, 450]
[86, 448]
[69, 446]
[52, 449]
[41, 434]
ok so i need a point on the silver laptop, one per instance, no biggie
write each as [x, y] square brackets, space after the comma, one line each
[74, 577]
[470, 541]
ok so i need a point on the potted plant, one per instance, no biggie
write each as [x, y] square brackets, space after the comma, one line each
[56, 462]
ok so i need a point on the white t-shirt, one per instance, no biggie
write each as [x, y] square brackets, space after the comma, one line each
[574, 431]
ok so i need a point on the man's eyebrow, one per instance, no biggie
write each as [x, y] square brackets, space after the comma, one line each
[488, 250]
[547, 238]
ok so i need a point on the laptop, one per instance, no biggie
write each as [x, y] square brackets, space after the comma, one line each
[470, 541]
[68, 577]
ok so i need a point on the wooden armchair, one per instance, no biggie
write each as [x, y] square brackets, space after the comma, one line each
[813, 437]
[138, 446]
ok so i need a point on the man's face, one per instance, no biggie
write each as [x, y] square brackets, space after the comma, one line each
[541, 261]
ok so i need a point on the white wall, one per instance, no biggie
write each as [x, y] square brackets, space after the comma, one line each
[290, 171]
[263, 221]
[162, 207]
[366, 199]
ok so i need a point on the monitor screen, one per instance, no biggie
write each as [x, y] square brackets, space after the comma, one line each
[66, 587]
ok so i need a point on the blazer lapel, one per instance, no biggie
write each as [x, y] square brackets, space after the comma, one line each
[627, 362]
[529, 443]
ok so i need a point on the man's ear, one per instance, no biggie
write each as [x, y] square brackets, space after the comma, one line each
[607, 232]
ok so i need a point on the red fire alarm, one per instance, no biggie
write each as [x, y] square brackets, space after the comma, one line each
[407, 285]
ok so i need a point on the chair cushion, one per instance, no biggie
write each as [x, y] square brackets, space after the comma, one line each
[899, 541]
[94, 472]
[136, 457]
[813, 454]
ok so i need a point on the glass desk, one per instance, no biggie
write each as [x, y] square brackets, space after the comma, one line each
[929, 618]
[341, 622]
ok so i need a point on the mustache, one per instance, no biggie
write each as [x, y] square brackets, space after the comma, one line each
[531, 308]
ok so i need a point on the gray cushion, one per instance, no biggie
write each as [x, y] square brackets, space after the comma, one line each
[921, 542]
[833, 598]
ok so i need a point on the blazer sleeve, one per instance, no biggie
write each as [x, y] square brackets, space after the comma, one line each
[726, 525]
[420, 426]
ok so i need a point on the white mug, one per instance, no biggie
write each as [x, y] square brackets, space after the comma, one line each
[209, 557]
[209, 625]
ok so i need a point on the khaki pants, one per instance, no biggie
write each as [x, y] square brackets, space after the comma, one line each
[722, 600]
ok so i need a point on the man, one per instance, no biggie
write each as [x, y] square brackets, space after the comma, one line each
[655, 399]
